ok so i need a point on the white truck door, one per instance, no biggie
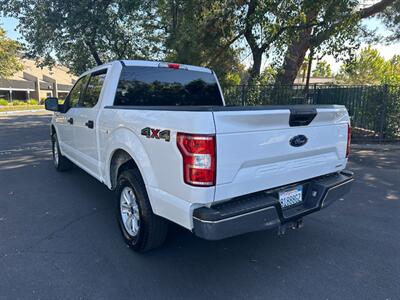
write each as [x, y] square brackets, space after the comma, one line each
[66, 121]
[85, 133]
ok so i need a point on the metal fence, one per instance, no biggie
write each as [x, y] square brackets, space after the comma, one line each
[374, 110]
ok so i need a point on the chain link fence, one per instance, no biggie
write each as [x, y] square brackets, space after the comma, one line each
[374, 110]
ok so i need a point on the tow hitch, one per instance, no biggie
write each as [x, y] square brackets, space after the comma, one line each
[292, 225]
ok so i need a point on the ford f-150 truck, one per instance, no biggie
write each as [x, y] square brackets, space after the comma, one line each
[160, 135]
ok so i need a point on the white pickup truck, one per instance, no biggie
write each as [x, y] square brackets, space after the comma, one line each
[160, 135]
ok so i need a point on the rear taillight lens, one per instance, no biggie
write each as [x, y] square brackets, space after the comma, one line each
[199, 158]
[173, 66]
[348, 140]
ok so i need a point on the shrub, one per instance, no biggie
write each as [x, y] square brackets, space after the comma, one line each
[18, 102]
[3, 102]
[32, 102]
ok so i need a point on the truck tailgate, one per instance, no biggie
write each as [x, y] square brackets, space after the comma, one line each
[254, 152]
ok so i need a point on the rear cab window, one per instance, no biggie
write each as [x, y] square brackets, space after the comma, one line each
[159, 86]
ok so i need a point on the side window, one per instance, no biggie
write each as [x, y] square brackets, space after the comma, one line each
[74, 95]
[93, 89]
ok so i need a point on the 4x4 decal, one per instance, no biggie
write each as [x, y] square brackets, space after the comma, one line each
[153, 133]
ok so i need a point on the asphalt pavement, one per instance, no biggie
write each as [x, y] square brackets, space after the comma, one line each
[59, 238]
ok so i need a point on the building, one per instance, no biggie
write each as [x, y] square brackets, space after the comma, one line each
[37, 83]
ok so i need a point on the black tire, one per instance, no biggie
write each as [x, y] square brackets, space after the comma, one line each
[152, 229]
[60, 162]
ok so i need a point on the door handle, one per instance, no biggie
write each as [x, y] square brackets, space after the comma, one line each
[70, 121]
[90, 124]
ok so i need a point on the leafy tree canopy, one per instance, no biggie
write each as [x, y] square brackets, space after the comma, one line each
[391, 18]
[196, 30]
[288, 29]
[322, 69]
[81, 34]
[9, 60]
[369, 67]
[336, 30]
[212, 33]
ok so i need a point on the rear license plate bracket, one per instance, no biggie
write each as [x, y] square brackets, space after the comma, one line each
[290, 197]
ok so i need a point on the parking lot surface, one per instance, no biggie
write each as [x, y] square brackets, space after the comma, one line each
[59, 238]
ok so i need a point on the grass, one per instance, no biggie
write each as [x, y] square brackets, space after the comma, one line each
[20, 107]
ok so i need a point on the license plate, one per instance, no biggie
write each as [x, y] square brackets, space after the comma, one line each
[291, 197]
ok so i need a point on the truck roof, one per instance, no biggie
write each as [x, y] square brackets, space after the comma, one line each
[148, 63]
[156, 64]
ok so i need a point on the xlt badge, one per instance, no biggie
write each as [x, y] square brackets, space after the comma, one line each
[154, 133]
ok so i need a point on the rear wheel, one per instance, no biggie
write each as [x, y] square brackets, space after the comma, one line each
[141, 228]
[60, 161]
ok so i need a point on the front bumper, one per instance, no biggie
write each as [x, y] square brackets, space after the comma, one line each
[262, 210]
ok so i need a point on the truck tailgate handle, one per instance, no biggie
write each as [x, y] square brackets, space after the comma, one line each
[302, 117]
[90, 124]
[70, 121]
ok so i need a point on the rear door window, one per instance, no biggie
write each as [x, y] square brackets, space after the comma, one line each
[158, 86]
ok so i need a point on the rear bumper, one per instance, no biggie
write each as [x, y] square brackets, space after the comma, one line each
[262, 210]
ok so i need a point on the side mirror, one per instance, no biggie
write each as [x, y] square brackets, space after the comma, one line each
[51, 103]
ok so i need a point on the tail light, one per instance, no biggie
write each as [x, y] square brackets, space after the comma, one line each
[173, 66]
[348, 140]
[199, 158]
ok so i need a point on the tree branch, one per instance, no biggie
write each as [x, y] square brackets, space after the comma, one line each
[363, 13]
[248, 34]
[225, 47]
[94, 53]
[374, 9]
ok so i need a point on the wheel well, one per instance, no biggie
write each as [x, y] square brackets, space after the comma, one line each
[120, 161]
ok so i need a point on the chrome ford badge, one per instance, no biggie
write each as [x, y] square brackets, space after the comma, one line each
[298, 140]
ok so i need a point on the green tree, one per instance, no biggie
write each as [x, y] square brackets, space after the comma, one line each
[393, 73]
[286, 30]
[9, 60]
[391, 18]
[369, 67]
[335, 30]
[322, 69]
[196, 30]
[83, 33]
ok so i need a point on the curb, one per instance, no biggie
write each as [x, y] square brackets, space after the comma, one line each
[381, 147]
[15, 112]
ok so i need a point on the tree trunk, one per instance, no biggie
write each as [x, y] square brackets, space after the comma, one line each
[255, 71]
[256, 51]
[96, 56]
[94, 53]
[294, 58]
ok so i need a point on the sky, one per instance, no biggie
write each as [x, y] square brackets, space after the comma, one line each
[10, 25]
[387, 51]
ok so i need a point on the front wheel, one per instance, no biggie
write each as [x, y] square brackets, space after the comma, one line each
[60, 161]
[141, 228]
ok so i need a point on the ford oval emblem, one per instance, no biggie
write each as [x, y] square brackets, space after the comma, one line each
[298, 140]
